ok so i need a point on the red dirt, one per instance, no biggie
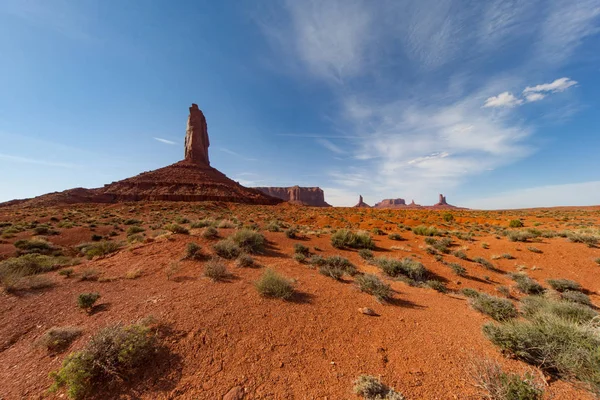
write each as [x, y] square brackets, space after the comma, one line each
[223, 334]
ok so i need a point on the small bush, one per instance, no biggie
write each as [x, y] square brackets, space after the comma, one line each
[299, 257]
[341, 263]
[561, 285]
[504, 291]
[249, 240]
[176, 228]
[437, 285]
[460, 254]
[58, 339]
[471, 293]
[301, 249]
[533, 306]
[291, 233]
[98, 249]
[458, 269]
[204, 223]
[371, 388]
[448, 217]
[193, 251]
[30, 264]
[407, 267]
[499, 385]
[226, 224]
[496, 307]
[86, 301]
[371, 284]
[519, 236]
[132, 230]
[576, 297]
[515, 223]
[245, 261]
[590, 240]
[272, 284]
[527, 285]
[484, 263]
[534, 249]
[38, 246]
[227, 249]
[332, 272]
[113, 354]
[215, 269]
[365, 254]
[317, 260]
[89, 274]
[346, 238]
[210, 232]
[273, 226]
[395, 236]
[67, 272]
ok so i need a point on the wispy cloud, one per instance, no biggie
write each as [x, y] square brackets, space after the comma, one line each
[233, 153]
[330, 146]
[25, 160]
[505, 99]
[165, 141]
[530, 94]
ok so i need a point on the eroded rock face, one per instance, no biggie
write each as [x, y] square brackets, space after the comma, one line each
[309, 196]
[391, 203]
[361, 203]
[442, 201]
[196, 137]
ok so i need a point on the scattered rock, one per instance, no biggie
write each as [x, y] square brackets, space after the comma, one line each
[236, 393]
[368, 311]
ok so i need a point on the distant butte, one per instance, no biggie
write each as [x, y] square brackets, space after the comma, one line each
[361, 203]
[192, 179]
[308, 196]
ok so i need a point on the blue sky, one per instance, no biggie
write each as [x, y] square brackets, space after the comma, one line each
[493, 103]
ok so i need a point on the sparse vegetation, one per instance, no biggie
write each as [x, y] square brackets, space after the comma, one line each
[271, 284]
[215, 269]
[365, 254]
[355, 240]
[516, 223]
[98, 249]
[58, 339]
[527, 285]
[496, 307]
[86, 301]
[407, 266]
[227, 248]
[458, 269]
[371, 284]
[249, 241]
[371, 388]
[499, 385]
[423, 230]
[176, 228]
[245, 261]
[561, 285]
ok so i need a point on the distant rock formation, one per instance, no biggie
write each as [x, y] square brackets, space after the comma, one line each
[309, 196]
[361, 203]
[196, 138]
[192, 179]
[442, 201]
[391, 203]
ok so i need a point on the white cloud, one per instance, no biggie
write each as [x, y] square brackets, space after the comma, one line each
[505, 99]
[330, 146]
[559, 85]
[531, 97]
[165, 140]
[26, 160]
[571, 194]
[340, 197]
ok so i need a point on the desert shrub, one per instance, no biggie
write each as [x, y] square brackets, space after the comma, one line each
[597, 260]
[371, 284]
[113, 354]
[499, 385]
[193, 251]
[496, 307]
[485, 245]
[460, 254]
[365, 254]
[226, 224]
[423, 230]
[341, 263]
[89, 274]
[468, 292]
[458, 269]
[176, 228]
[561, 285]
[132, 230]
[204, 223]
[558, 346]
[67, 272]
[484, 263]
[519, 236]
[407, 267]
[578, 237]
[576, 297]
[215, 269]
[332, 272]
[86, 301]
[210, 232]
[291, 233]
[301, 258]
[504, 291]
[534, 249]
[448, 217]
[532, 306]
[527, 285]
[182, 220]
[317, 260]
[372, 388]
[134, 273]
[395, 236]
[272, 284]
[437, 285]
[227, 248]
[38, 246]
[273, 226]
[301, 249]
[58, 339]
[172, 270]
[355, 240]
[31, 264]
[249, 240]
[245, 261]
[26, 283]
[132, 222]
[91, 250]
[377, 231]
[135, 239]
[515, 223]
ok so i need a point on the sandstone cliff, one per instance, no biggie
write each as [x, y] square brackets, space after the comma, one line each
[309, 196]
[391, 203]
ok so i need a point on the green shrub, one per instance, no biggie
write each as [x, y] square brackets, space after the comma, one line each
[532, 306]
[226, 224]
[355, 240]
[132, 230]
[332, 272]
[371, 284]
[576, 297]
[272, 284]
[245, 261]
[471, 293]
[365, 254]
[113, 354]
[437, 285]
[519, 236]
[484, 263]
[249, 241]
[458, 269]
[67, 272]
[395, 236]
[590, 240]
[301, 258]
[317, 260]
[215, 269]
[175, 228]
[86, 301]
[407, 267]
[516, 223]
[89, 274]
[301, 249]
[460, 254]
[31, 264]
[227, 248]
[499, 385]
[341, 263]
[132, 222]
[448, 217]
[91, 250]
[534, 249]
[291, 233]
[371, 388]
[377, 231]
[561, 285]
[38, 246]
[210, 232]
[58, 339]
[273, 226]
[423, 230]
[193, 251]
[496, 307]
[527, 285]
[204, 223]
